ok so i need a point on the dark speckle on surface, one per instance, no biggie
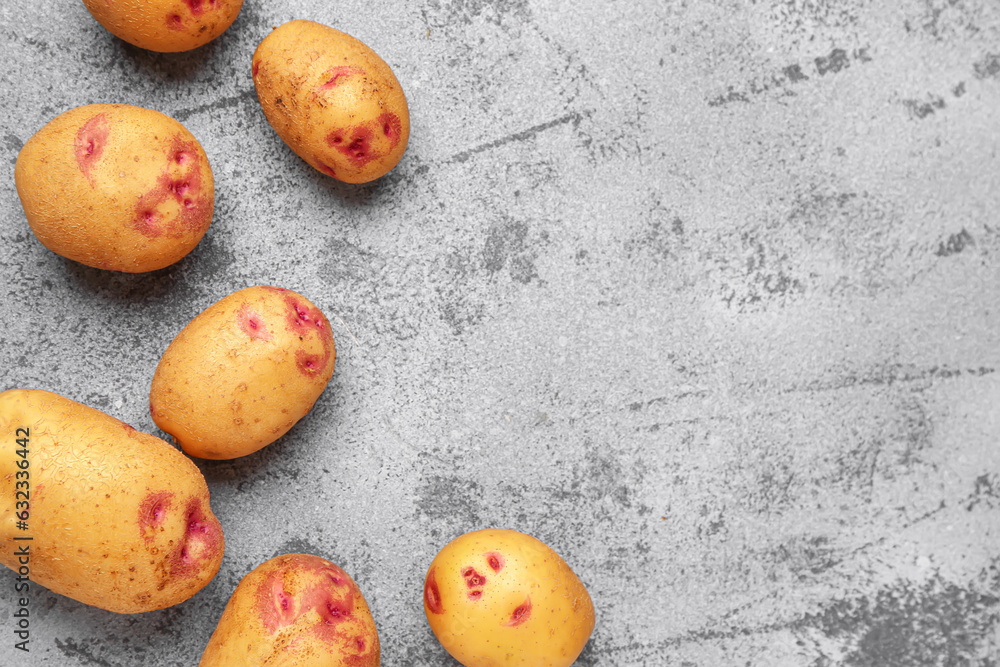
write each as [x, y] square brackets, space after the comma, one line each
[922, 109]
[781, 81]
[83, 652]
[955, 243]
[931, 623]
[836, 61]
[12, 142]
[988, 67]
[452, 500]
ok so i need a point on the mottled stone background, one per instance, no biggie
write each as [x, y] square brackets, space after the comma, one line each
[702, 294]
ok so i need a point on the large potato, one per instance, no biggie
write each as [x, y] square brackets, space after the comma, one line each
[116, 187]
[333, 100]
[242, 372]
[165, 25]
[118, 519]
[500, 597]
[295, 610]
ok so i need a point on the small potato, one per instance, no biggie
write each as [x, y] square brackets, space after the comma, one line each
[332, 100]
[242, 372]
[500, 597]
[295, 610]
[116, 187]
[165, 25]
[117, 519]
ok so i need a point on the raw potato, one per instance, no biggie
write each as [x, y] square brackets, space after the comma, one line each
[295, 610]
[332, 100]
[242, 372]
[116, 187]
[500, 597]
[118, 519]
[165, 25]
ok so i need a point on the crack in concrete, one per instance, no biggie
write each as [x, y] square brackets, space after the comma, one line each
[574, 117]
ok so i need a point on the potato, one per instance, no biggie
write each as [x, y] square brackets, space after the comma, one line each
[295, 610]
[332, 100]
[242, 372]
[116, 187]
[117, 519]
[165, 25]
[500, 597]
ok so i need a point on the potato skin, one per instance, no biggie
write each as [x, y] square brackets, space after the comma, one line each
[165, 25]
[116, 187]
[119, 519]
[333, 100]
[243, 372]
[295, 610]
[500, 597]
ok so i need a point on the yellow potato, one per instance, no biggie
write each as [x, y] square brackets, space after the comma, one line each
[333, 100]
[165, 25]
[118, 519]
[116, 187]
[242, 372]
[500, 597]
[295, 610]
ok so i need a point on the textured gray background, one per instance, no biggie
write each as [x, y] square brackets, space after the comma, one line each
[702, 294]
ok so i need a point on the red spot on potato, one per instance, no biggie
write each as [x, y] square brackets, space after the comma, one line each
[188, 186]
[355, 145]
[255, 69]
[335, 610]
[175, 22]
[311, 365]
[146, 224]
[391, 127]
[197, 7]
[475, 595]
[495, 561]
[369, 141]
[325, 168]
[251, 323]
[91, 139]
[201, 543]
[180, 182]
[332, 602]
[520, 614]
[432, 595]
[472, 578]
[336, 76]
[152, 512]
[305, 320]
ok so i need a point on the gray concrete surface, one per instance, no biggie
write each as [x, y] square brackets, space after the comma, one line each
[702, 294]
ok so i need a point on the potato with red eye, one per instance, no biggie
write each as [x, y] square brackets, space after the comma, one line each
[242, 372]
[295, 610]
[165, 25]
[332, 99]
[500, 597]
[116, 187]
[115, 518]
